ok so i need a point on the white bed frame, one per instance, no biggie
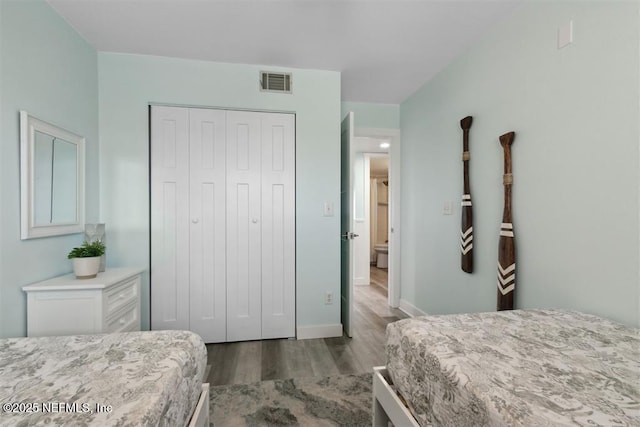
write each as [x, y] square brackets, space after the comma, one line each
[200, 417]
[387, 406]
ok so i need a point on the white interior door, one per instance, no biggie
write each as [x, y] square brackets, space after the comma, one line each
[347, 226]
[207, 284]
[278, 226]
[244, 222]
[170, 218]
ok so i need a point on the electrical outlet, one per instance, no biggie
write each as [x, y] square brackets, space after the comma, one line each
[328, 298]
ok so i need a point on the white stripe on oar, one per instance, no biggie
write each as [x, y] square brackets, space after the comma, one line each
[505, 271]
[467, 249]
[506, 229]
[506, 284]
[506, 290]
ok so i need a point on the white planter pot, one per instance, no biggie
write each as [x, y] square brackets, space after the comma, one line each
[86, 268]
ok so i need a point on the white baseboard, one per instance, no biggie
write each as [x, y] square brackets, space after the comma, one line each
[410, 309]
[361, 281]
[319, 331]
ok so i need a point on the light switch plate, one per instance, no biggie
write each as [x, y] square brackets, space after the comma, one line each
[448, 208]
[565, 35]
[328, 209]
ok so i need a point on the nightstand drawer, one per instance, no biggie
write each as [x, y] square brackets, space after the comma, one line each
[121, 295]
[126, 320]
[66, 305]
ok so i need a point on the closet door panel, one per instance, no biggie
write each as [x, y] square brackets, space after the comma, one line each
[278, 225]
[169, 218]
[207, 224]
[243, 227]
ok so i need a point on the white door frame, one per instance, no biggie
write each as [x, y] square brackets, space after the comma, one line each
[394, 206]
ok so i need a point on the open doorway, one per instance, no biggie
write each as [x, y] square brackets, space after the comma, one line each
[376, 166]
[371, 213]
[370, 167]
[355, 230]
[378, 221]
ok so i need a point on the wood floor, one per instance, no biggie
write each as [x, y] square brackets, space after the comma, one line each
[378, 277]
[246, 362]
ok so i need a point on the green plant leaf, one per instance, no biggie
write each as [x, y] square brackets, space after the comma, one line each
[87, 250]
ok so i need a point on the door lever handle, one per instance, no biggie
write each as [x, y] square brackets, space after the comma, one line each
[349, 235]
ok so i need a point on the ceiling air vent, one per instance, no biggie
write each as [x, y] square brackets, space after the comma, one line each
[275, 82]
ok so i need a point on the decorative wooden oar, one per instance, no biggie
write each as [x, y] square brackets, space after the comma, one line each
[466, 226]
[506, 245]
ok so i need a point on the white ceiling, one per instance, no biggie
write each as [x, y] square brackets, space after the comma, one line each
[385, 49]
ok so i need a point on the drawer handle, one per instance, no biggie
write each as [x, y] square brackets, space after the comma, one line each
[120, 296]
[122, 321]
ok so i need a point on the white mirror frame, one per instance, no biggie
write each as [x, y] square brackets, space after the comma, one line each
[28, 229]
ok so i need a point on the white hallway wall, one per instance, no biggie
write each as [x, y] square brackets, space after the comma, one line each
[128, 83]
[575, 112]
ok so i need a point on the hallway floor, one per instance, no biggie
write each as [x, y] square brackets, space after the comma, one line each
[246, 362]
[379, 278]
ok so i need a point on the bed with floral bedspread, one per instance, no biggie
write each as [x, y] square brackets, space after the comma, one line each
[125, 379]
[516, 368]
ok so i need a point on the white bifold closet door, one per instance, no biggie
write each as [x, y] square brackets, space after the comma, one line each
[244, 221]
[222, 223]
[278, 226]
[207, 252]
[170, 223]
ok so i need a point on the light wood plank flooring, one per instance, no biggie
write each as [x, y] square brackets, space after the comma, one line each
[246, 362]
[379, 278]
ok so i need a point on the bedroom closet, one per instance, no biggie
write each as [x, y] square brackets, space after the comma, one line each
[223, 223]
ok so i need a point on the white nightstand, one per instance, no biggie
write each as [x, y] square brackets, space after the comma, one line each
[68, 306]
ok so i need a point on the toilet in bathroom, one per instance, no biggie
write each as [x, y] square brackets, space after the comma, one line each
[382, 255]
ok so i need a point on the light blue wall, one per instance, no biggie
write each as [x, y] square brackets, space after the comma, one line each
[129, 83]
[575, 112]
[370, 115]
[51, 72]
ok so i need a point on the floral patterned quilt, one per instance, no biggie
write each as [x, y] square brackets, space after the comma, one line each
[516, 368]
[125, 379]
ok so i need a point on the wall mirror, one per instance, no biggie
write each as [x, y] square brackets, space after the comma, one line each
[52, 179]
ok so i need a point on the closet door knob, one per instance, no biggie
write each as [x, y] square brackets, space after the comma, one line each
[254, 220]
[195, 220]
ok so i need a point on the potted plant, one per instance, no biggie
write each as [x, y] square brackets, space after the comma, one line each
[86, 259]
